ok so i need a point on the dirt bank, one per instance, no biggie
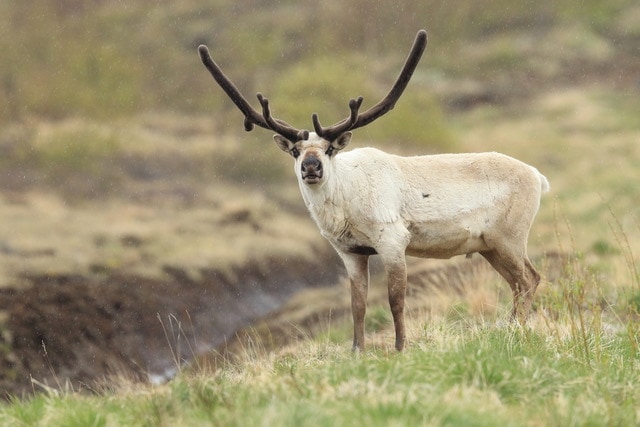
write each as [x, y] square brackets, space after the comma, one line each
[76, 329]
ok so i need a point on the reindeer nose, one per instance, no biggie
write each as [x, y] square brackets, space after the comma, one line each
[311, 164]
[311, 170]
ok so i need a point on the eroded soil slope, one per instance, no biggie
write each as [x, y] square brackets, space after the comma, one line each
[80, 329]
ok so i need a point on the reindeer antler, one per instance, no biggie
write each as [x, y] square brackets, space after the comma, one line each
[357, 120]
[251, 116]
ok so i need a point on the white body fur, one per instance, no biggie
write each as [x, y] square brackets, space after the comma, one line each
[434, 206]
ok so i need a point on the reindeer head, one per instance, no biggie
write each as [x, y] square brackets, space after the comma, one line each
[314, 151]
[314, 155]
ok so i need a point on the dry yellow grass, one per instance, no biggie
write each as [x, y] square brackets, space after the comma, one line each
[45, 235]
[191, 215]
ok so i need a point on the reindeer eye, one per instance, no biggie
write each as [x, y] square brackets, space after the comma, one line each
[329, 151]
[295, 153]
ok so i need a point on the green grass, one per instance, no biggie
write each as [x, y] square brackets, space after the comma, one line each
[452, 374]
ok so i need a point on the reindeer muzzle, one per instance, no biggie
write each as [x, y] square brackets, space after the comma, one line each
[311, 170]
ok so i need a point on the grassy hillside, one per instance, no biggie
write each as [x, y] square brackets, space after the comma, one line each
[454, 373]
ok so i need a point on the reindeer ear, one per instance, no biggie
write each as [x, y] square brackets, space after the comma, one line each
[342, 141]
[285, 145]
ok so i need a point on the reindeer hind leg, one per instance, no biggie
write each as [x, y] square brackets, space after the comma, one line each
[533, 280]
[520, 279]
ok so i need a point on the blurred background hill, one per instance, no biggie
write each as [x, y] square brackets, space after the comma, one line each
[110, 59]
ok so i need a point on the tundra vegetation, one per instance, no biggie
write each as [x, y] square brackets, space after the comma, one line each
[116, 156]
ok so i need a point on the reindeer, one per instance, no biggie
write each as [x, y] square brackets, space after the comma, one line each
[368, 202]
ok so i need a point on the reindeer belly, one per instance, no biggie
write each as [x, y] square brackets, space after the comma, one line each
[354, 243]
[437, 240]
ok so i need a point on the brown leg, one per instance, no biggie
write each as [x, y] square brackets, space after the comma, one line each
[391, 248]
[358, 270]
[397, 287]
[533, 279]
[522, 278]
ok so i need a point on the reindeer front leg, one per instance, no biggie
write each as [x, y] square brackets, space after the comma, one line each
[393, 243]
[397, 288]
[358, 270]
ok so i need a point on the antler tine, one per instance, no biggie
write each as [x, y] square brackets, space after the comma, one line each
[387, 103]
[251, 116]
[280, 126]
[340, 127]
